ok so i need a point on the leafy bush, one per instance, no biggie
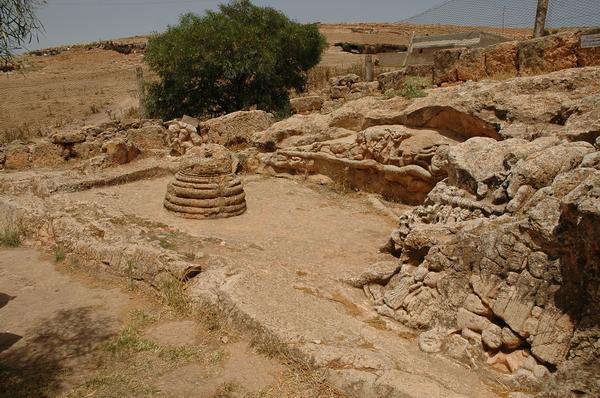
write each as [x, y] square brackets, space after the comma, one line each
[237, 58]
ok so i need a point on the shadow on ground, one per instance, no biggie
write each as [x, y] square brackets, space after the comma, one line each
[4, 299]
[7, 340]
[49, 351]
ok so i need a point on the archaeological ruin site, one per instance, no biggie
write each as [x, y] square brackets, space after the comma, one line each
[371, 243]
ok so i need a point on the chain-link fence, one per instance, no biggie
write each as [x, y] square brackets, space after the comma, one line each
[510, 13]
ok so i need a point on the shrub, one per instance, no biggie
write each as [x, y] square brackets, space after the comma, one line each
[10, 238]
[237, 58]
[413, 87]
[11, 230]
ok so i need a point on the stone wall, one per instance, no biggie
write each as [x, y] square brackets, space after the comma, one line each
[107, 144]
[505, 60]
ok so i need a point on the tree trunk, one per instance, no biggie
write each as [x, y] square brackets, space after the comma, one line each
[141, 89]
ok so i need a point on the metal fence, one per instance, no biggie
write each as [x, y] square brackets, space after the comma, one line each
[510, 13]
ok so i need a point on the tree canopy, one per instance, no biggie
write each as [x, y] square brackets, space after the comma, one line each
[239, 57]
[18, 24]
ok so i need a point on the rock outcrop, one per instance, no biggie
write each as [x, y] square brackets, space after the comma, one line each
[232, 129]
[235, 128]
[392, 160]
[388, 146]
[504, 256]
[560, 104]
[109, 144]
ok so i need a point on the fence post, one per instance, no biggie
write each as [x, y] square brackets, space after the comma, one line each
[369, 72]
[409, 49]
[540, 18]
[139, 74]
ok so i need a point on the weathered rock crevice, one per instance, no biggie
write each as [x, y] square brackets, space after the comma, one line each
[451, 122]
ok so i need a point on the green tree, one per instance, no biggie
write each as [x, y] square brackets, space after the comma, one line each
[18, 24]
[238, 57]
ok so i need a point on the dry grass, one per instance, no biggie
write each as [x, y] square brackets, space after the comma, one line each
[413, 87]
[131, 113]
[10, 238]
[174, 295]
[129, 363]
[24, 132]
[11, 230]
[59, 254]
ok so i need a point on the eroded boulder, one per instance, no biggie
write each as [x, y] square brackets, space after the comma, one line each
[235, 128]
[120, 151]
[306, 104]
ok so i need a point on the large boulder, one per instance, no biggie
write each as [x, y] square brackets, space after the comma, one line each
[344, 80]
[149, 137]
[272, 137]
[368, 111]
[393, 80]
[471, 65]
[68, 137]
[391, 160]
[444, 65]
[119, 151]
[235, 128]
[482, 164]
[547, 54]
[581, 118]
[18, 156]
[46, 154]
[559, 104]
[501, 60]
[306, 104]
[399, 145]
[539, 169]
[339, 92]
[87, 149]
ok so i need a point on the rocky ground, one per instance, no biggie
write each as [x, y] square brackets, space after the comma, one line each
[443, 245]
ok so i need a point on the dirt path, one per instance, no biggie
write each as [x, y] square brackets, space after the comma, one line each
[65, 334]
